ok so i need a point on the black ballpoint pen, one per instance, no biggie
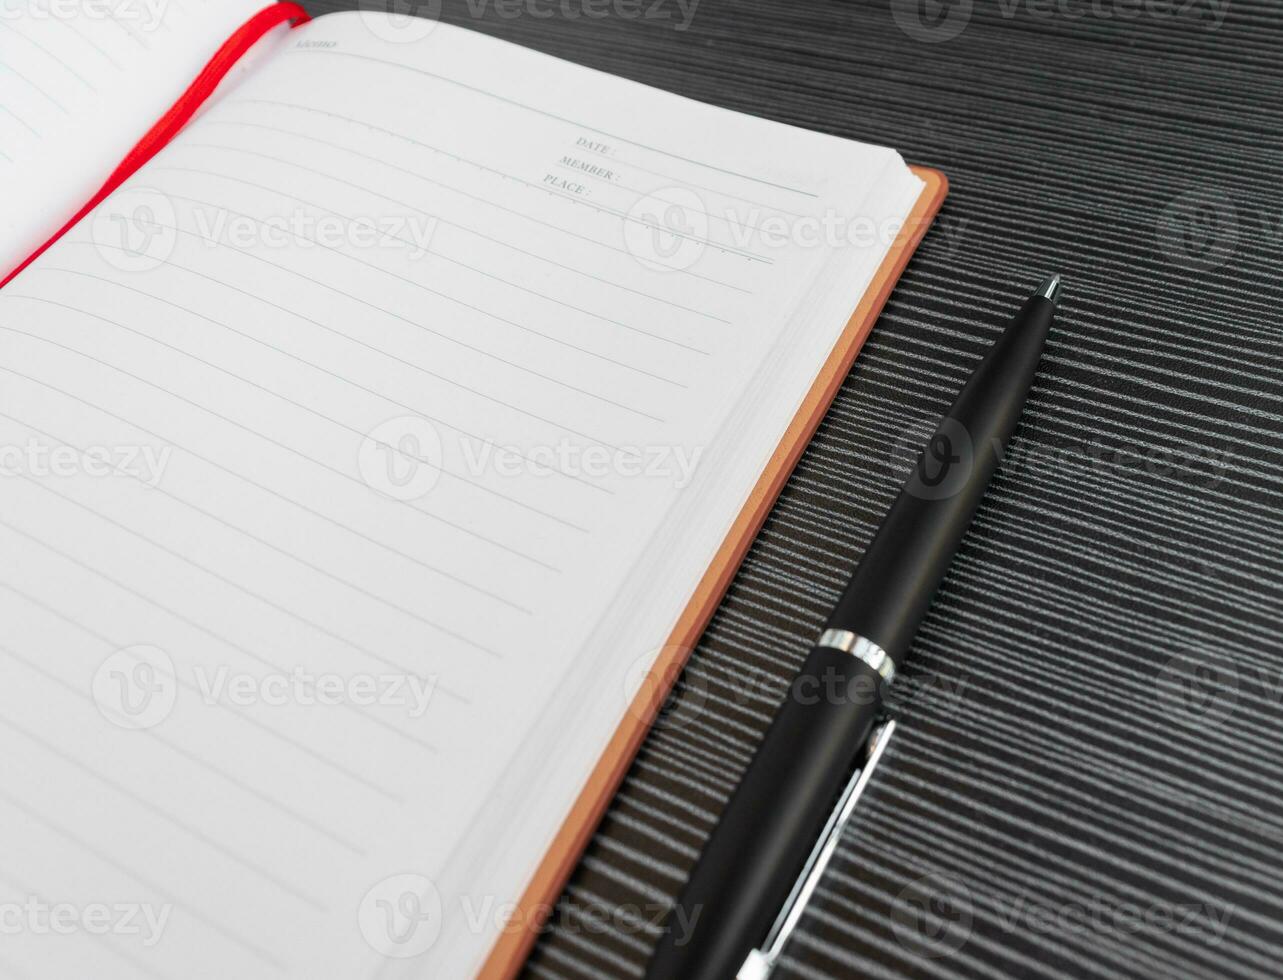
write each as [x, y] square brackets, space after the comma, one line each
[781, 824]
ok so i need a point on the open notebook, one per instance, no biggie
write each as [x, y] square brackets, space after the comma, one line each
[364, 452]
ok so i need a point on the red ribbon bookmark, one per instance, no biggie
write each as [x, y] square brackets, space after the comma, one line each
[181, 112]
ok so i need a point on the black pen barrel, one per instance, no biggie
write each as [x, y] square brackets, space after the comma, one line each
[750, 863]
[772, 821]
[892, 588]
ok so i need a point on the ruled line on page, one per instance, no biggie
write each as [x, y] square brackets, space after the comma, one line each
[609, 182]
[625, 216]
[75, 79]
[5, 66]
[436, 253]
[22, 891]
[419, 368]
[97, 853]
[338, 423]
[22, 122]
[253, 537]
[416, 740]
[690, 273]
[175, 614]
[350, 775]
[435, 569]
[444, 378]
[333, 837]
[338, 377]
[729, 249]
[444, 689]
[632, 367]
[604, 399]
[543, 112]
[170, 263]
[439, 255]
[454, 635]
[214, 121]
[140, 41]
[49, 54]
[239, 587]
[633, 165]
[70, 25]
[255, 868]
[248, 719]
[390, 549]
[412, 505]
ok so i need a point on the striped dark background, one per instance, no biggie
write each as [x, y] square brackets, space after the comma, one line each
[1088, 777]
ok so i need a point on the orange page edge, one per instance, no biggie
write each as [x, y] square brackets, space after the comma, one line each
[509, 953]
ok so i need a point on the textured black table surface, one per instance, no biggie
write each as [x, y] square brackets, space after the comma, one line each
[1088, 777]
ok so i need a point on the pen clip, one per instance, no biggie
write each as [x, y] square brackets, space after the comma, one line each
[761, 962]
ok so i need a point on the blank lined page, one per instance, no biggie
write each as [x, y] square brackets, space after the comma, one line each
[333, 436]
[80, 85]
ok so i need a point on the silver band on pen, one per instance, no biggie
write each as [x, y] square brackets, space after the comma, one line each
[861, 648]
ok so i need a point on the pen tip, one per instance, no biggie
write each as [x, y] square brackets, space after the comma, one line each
[1050, 288]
